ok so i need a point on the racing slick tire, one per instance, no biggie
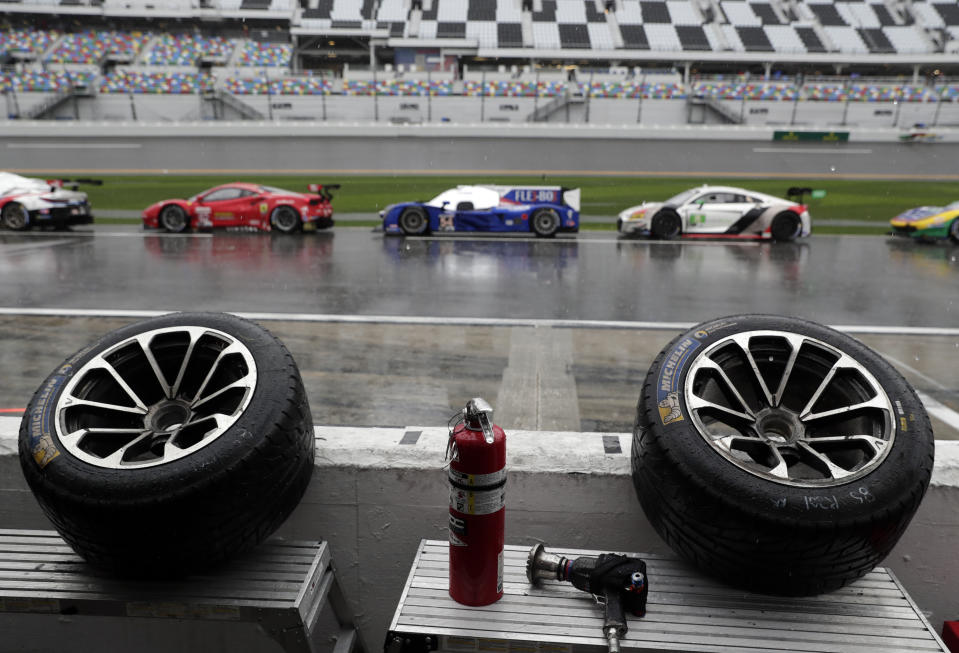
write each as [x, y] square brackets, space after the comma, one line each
[413, 221]
[173, 219]
[785, 227]
[954, 231]
[170, 445]
[545, 222]
[15, 217]
[666, 225]
[777, 454]
[285, 219]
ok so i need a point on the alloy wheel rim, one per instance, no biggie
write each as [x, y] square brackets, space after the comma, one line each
[789, 408]
[155, 397]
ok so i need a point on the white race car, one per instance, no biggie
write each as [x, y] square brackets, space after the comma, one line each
[26, 202]
[720, 212]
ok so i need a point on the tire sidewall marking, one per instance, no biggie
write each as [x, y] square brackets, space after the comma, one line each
[40, 430]
[669, 399]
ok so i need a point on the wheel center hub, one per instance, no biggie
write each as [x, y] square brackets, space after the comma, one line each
[779, 426]
[167, 416]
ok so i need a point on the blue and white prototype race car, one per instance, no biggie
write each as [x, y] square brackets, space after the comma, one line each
[543, 210]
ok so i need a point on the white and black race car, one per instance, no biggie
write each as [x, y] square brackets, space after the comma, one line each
[26, 202]
[720, 212]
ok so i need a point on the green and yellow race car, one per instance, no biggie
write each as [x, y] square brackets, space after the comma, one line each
[928, 223]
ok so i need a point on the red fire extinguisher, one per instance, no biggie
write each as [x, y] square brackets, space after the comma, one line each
[477, 474]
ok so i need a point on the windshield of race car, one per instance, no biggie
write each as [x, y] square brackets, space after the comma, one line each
[682, 198]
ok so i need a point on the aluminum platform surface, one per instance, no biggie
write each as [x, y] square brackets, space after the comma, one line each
[686, 612]
[280, 585]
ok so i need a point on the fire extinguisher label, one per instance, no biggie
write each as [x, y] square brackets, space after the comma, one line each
[477, 503]
[477, 480]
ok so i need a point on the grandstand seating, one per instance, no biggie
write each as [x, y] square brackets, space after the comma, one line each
[186, 49]
[274, 55]
[32, 42]
[90, 47]
[45, 81]
[168, 83]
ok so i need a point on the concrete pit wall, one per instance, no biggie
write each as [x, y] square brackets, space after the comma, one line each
[374, 499]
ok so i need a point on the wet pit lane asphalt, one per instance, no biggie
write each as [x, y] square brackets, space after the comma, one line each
[557, 334]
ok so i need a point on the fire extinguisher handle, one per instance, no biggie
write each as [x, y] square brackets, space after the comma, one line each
[479, 415]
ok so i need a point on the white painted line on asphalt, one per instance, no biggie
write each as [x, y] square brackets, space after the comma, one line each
[60, 145]
[803, 150]
[939, 410]
[455, 321]
[912, 370]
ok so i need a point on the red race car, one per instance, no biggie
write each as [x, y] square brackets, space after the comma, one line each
[245, 207]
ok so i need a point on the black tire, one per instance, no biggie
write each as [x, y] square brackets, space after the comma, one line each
[666, 225]
[173, 219]
[715, 490]
[954, 231]
[15, 217]
[785, 227]
[190, 491]
[545, 222]
[285, 219]
[413, 221]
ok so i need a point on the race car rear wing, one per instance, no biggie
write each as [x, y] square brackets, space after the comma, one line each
[323, 190]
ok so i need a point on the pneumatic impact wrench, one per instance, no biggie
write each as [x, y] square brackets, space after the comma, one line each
[617, 581]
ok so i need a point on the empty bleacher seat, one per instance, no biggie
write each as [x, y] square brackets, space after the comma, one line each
[662, 37]
[827, 14]
[876, 41]
[546, 35]
[784, 38]
[810, 39]
[655, 12]
[767, 15]
[740, 13]
[906, 39]
[600, 36]
[634, 37]
[693, 37]
[949, 11]
[754, 39]
[509, 35]
[573, 36]
[846, 39]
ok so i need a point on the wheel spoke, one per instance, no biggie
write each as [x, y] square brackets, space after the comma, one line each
[101, 364]
[795, 344]
[236, 384]
[834, 470]
[875, 402]
[99, 430]
[742, 339]
[698, 403]
[194, 337]
[842, 362]
[116, 458]
[145, 346]
[232, 348]
[73, 401]
[710, 364]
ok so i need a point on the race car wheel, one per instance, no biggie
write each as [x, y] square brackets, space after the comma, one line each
[174, 219]
[786, 227]
[545, 222]
[285, 219]
[666, 225]
[954, 231]
[15, 216]
[169, 445]
[778, 454]
[413, 221]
